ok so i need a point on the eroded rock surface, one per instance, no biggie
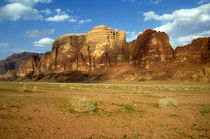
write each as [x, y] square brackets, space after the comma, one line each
[103, 53]
[152, 47]
[196, 52]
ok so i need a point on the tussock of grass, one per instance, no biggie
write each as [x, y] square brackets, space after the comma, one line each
[167, 102]
[23, 88]
[205, 110]
[81, 103]
[35, 89]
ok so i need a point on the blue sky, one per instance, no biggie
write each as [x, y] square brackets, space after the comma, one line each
[32, 25]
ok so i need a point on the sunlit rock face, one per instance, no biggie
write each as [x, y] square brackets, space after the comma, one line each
[29, 67]
[196, 52]
[103, 48]
[151, 47]
[99, 49]
[64, 55]
[149, 57]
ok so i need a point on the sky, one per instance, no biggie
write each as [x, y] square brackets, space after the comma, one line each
[32, 25]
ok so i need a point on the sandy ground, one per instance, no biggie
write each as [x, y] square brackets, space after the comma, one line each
[44, 110]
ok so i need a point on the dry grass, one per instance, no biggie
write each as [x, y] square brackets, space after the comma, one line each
[23, 88]
[143, 110]
[167, 102]
[81, 103]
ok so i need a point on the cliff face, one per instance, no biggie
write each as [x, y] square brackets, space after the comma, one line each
[64, 55]
[15, 61]
[196, 52]
[152, 47]
[103, 48]
[29, 66]
[99, 49]
[149, 57]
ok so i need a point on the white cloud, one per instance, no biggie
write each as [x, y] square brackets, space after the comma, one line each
[183, 22]
[21, 9]
[72, 20]
[145, 1]
[29, 2]
[4, 45]
[203, 2]
[130, 36]
[44, 42]
[35, 33]
[155, 1]
[183, 40]
[128, 0]
[15, 11]
[59, 17]
[46, 11]
[85, 21]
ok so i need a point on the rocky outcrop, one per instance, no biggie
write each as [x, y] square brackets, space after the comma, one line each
[29, 67]
[15, 61]
[103, 53]
[196, 52]
[64, 55]
[99, 49]
[103, 48]
[151, 47]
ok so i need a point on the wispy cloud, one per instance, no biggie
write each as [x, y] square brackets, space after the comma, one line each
[130, 36]
[59, 17]
[72, 20]
[143, 1]
[44, 42]
[46, 11]
[4, 45]
[85, 21]
[203, 2]
[37, 33]
[186, 23]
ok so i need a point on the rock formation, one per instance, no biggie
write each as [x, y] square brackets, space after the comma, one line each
[103, 48]
[64, 55]
[196, 52]
[103, 53]
[151, 47]
[15, 61]
[99, 49]
[29, 66]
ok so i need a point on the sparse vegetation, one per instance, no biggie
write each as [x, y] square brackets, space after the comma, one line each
[81, 103]
[23, 88]
[167, 102]
[35, 89]
[124, 110]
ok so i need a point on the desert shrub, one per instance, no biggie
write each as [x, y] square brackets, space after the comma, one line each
[62, 85]
[167, 102]
[23, 88]
[81, 103]
[35, 89]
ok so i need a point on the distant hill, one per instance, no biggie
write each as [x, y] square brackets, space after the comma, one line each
[14, 61]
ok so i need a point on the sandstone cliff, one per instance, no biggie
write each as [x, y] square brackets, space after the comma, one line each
[103, 53]
[151, 47]
[196, 52]
[64, 55]
[103, 48]
[12, 63]
[99, 49]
